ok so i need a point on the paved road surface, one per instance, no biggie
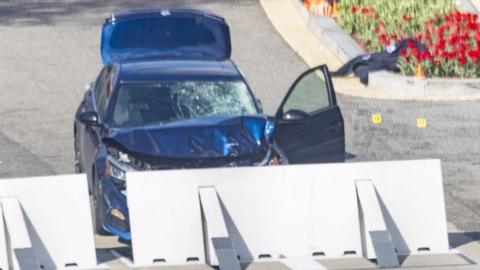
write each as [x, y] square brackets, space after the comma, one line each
[49, 51]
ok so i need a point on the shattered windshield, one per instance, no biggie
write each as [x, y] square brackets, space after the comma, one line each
[140, 104]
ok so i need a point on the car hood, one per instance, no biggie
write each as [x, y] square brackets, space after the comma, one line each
[164, 33]
[210, 137]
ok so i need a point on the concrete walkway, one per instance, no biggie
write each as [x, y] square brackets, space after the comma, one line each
[476, 3]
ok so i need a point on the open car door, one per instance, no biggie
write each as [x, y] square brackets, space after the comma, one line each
[309, 124]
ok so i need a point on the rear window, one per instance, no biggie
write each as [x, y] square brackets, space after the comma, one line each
[142, 104]
[164, 33]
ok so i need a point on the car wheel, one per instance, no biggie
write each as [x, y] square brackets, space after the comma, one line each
[96, 203]
[78, 165]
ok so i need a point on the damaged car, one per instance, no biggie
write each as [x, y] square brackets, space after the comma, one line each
[169, 97]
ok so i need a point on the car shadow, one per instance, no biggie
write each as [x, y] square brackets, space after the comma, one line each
[458, 239]
[349, 156]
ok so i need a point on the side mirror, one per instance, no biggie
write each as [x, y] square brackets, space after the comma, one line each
[295, 115]
[88, 118]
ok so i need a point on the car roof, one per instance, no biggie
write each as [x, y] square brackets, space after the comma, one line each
[156, 70]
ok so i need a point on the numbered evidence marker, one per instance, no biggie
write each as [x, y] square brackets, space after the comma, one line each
[376, 118]
[421, 122]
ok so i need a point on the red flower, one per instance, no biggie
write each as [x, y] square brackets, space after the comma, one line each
[416, 53]
[406, 17]
[472, 55]
[458, 16]
[453, 39]
[353, 9]
[403, 52]
[441, 44]
[411, 44]
[429, 23]
[477, 38]
[462, 59]
[445, 55]
[383, 38]
[427, 55]
[440, 32]
[438, 63]
[407, 59]
[474, 18]
[472, 26]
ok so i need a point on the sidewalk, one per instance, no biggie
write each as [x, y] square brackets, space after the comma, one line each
[476, 3]
[290, 25]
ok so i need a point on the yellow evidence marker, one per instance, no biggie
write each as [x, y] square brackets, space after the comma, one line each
[376, 118]
[421, 122]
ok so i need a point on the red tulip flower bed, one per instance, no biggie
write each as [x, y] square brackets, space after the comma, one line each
[453, 42]
[452, 38]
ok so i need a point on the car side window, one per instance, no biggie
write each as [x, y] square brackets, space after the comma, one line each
[100, 81]
[309, 94]
[102, 91]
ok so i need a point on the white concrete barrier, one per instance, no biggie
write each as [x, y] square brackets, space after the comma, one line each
[47, 222]
[288, 212]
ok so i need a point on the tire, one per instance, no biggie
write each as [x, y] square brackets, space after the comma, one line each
[78, 165]
[97, 225]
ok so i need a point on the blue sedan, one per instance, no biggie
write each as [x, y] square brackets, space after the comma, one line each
[169, 97]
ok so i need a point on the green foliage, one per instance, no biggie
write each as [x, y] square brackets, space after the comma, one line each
[376, 23]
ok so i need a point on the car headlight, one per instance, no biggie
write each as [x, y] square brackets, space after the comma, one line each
[117, 170]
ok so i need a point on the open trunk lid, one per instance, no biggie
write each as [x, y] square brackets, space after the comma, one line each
[165, 33]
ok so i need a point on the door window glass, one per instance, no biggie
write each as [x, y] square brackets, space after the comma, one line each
[102, 92]
[309, 94]
[99, 83]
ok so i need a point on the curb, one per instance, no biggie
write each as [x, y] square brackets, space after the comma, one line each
[467, 5]
[344, 47]
[475, 4]
[443, 87]
[330, 33]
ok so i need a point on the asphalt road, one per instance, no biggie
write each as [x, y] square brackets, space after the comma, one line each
[50, 50]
